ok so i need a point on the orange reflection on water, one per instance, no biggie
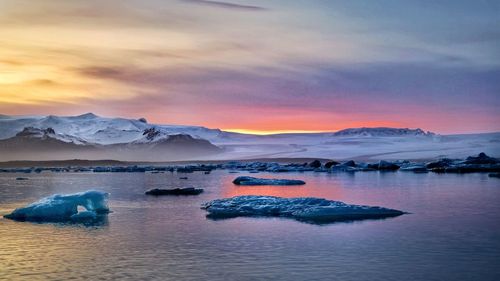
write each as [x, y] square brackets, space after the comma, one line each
[312, 188]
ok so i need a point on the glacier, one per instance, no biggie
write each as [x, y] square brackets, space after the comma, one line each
[307, 209]
[64, 208]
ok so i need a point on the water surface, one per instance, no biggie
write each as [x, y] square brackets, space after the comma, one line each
[452, 233]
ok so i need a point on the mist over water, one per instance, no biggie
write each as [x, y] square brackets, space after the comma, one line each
[452, 232]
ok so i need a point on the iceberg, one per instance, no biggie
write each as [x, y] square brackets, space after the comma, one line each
[307, 209]
[64, 208]
[414, 167]
[258, 181]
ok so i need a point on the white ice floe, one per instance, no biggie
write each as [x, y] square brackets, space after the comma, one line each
[64, 207]
[303, 208]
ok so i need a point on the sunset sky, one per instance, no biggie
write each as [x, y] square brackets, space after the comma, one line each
[256, 65]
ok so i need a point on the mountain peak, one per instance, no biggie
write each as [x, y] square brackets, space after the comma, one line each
[88, 115]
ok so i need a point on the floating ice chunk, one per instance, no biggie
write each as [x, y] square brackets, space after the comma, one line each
[258, 181]
[64, 207]
[414, 167]
[309, 209]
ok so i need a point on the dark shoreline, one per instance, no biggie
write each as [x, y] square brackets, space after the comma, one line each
[471, 164]
[108, 162]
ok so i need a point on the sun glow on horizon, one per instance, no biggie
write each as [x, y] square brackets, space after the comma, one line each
[273, 132]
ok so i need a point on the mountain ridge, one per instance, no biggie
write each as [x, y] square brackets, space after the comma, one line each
[91, 128]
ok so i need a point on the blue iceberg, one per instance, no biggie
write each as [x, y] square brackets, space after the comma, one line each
[309, 209]
[64, 208]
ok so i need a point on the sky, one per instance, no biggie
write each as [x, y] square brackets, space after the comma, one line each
[256, 66]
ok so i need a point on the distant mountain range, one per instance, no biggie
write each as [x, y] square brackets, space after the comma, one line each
[382, 132]
[89, 136]
[92, 129]
[43, 144]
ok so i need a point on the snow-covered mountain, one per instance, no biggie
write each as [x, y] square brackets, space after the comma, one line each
[92, 137]
[31, 143]
[91, 128]
[136, 139]
[381, 132]
[42, 134]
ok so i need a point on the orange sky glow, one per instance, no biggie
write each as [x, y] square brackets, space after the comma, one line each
[259, 68]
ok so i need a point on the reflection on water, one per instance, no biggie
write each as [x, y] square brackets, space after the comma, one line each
[303, 220]
[452, 232]
[98, 221]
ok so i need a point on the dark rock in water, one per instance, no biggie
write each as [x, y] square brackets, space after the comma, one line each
[330, 164]
[22, 179]
[258, 181]
[387, 166]
[185, 170]
[441, 163]
[349, 163]
[183, 178]
[482, 158]
[128, 169]
[473, 168]
[348, 166]
[175, 191]
[438, 170]
[315, 164]
[494, 175]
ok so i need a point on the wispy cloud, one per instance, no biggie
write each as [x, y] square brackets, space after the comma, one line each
[318, 65]
[227, 5]
[331, 94]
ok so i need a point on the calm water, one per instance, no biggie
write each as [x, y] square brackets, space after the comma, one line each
[453, 232]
